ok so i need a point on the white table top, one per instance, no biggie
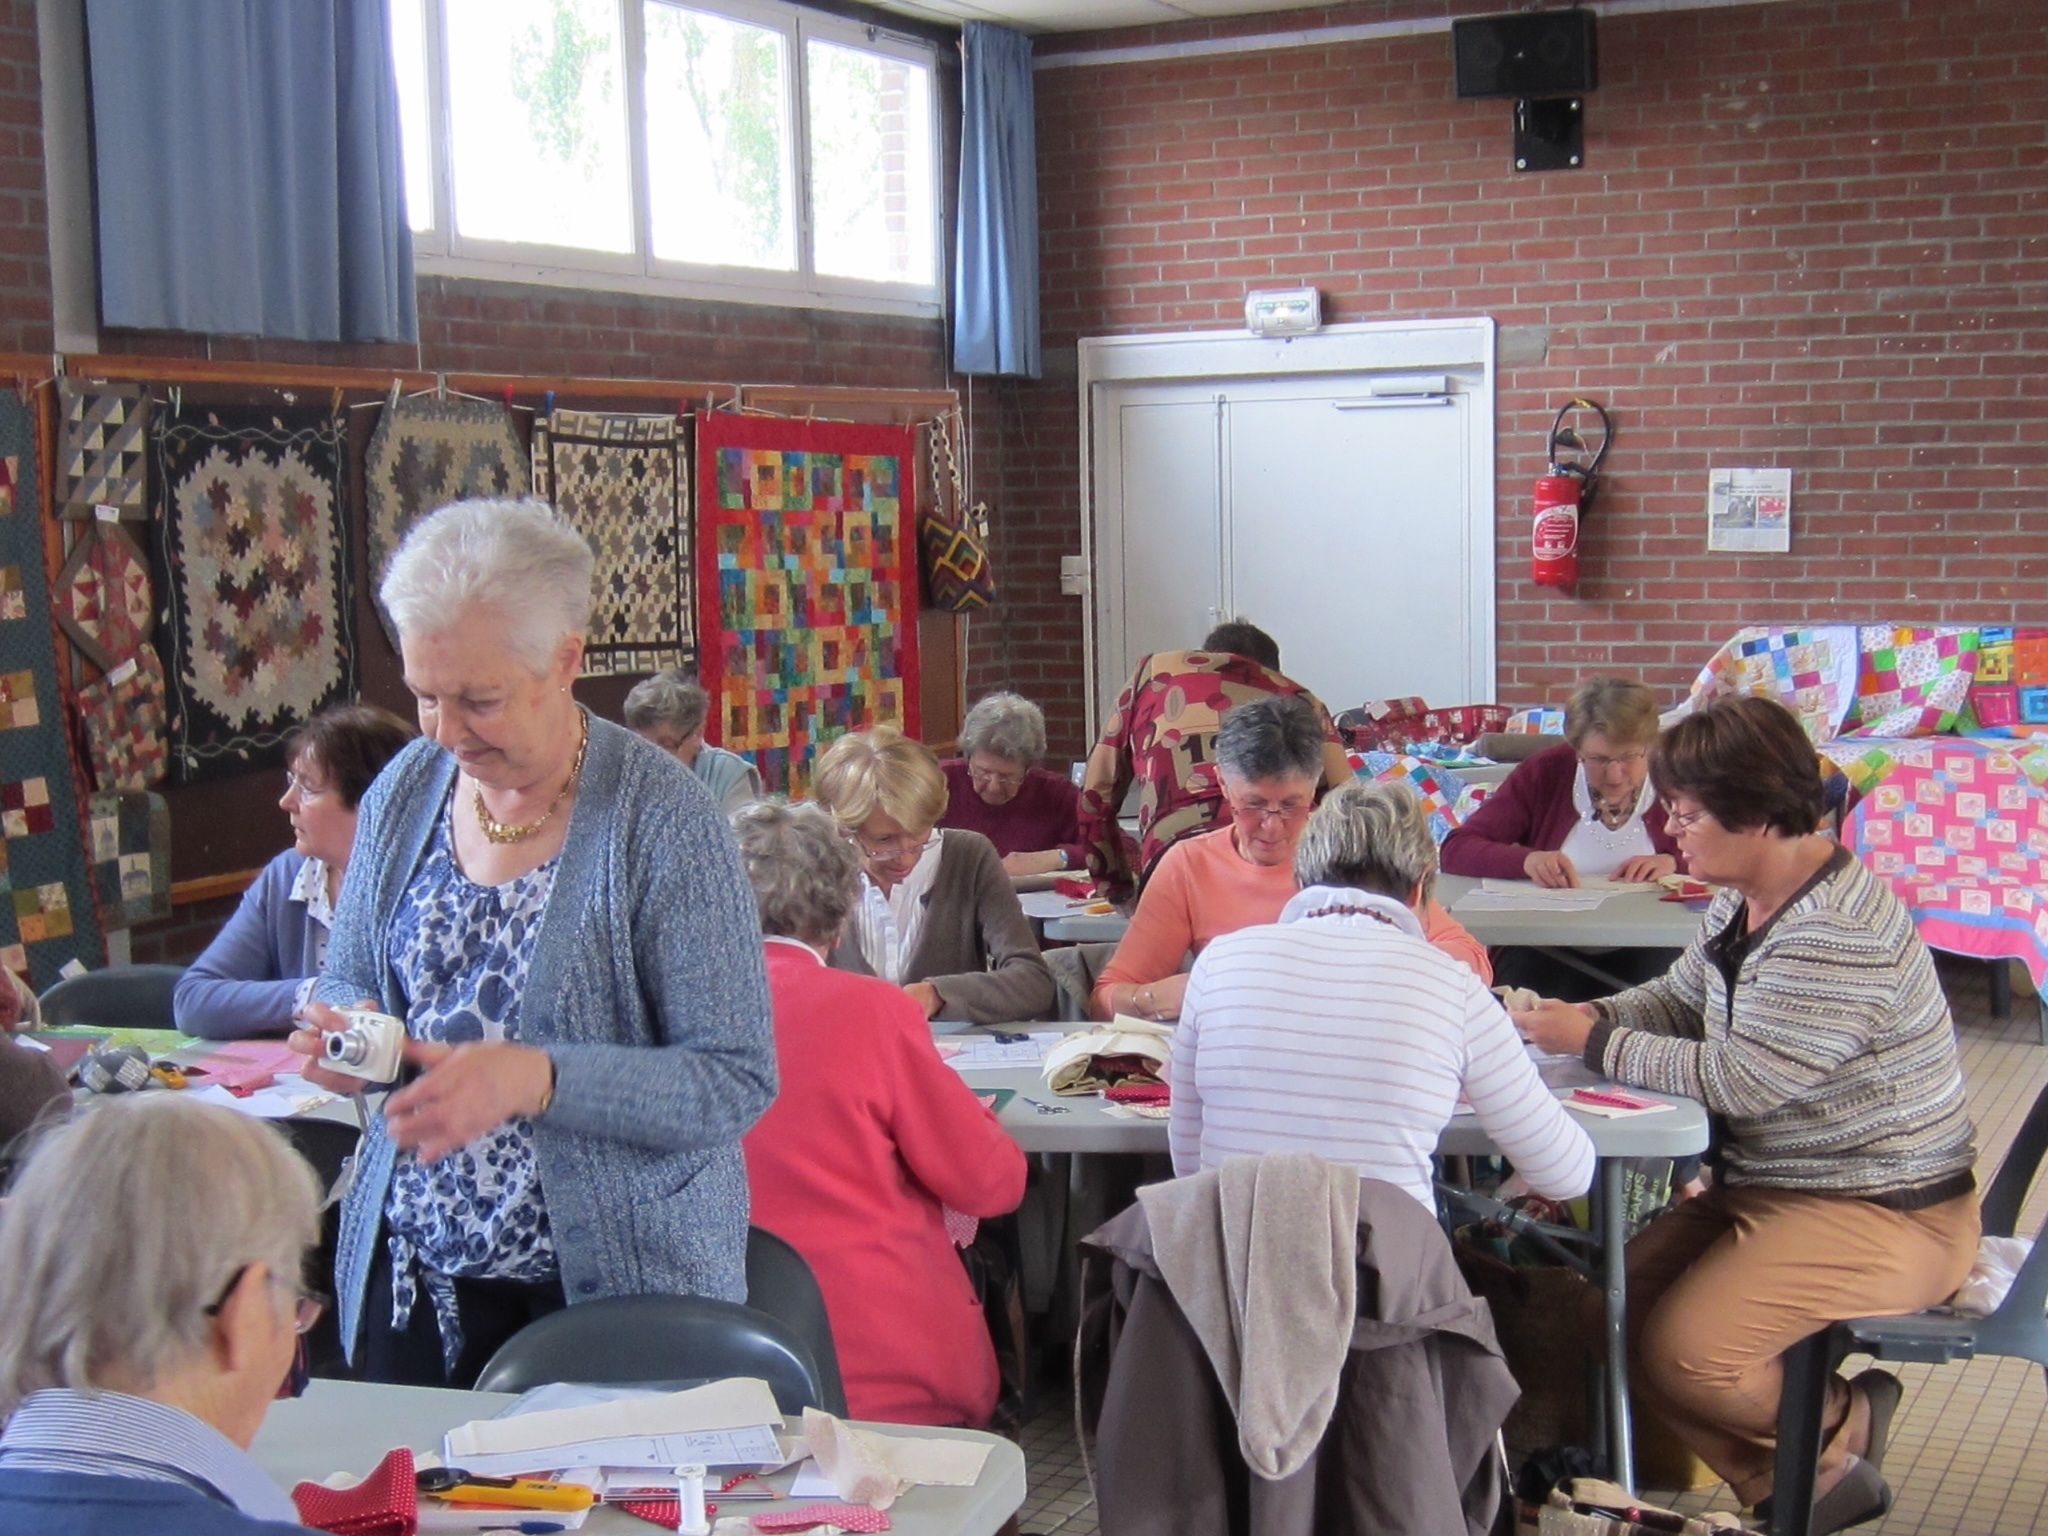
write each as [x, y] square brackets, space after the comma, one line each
[348, 1426]
[1083, 1122]
[1062, 917]
[1628, 921]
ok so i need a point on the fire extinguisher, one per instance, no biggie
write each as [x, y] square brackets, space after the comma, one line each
[1564, 495]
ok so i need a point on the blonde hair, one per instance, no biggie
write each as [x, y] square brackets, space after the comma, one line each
[1619, 708]
[881, 769]
[129, 1221]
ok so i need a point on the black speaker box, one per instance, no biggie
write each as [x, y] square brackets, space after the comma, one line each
[1527, 54]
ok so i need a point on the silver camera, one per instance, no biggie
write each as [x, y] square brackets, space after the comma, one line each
[372, 1047]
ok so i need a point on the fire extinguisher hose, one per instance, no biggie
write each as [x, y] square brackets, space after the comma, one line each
[1587, 474]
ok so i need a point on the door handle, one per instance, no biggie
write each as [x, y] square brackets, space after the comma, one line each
[1390, 402]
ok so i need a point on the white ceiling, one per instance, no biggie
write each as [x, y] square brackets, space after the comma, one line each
[1089, 15]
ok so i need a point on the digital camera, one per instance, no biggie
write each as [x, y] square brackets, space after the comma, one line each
[372, 1047]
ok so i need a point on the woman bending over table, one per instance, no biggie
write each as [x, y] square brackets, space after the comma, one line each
[871, 1137]
[937, 915]
[562, 924]
[1269, 756]
[1808, 1018]
[995, 787]
[1582, 810]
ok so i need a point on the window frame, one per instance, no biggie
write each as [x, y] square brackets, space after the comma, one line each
[439, 249]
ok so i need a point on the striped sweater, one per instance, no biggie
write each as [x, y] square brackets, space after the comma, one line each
[1823, 1041]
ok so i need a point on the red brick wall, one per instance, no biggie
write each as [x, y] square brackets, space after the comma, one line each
[25, 323]
[1810, 235]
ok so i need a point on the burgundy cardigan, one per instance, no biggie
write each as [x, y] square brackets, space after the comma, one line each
[1044, 815]
[1530, 811]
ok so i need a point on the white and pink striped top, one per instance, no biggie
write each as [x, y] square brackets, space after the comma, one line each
[1341, 1031]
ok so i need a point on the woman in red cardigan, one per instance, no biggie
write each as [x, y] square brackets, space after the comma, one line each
[871, 1137]
[1582, 810]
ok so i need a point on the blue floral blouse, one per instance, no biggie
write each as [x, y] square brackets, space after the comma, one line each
[462, 952]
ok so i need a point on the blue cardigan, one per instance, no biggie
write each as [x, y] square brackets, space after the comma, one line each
[74, 1504]
[247, 982]
[646, 988]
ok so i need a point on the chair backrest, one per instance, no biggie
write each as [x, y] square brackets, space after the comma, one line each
[1076, 968]
[2015, 1176]
[121, 997]
[780, 1283]
[621, 1341]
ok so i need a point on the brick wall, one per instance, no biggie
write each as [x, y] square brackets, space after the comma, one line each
[25, 323]
[1812, 235]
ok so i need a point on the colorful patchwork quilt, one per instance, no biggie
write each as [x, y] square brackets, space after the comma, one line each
[426, 453]
[131, 858]
[1910, 682]
[1440, 789]
[1811, 671]
[620, 480]
[253, 582]
[1959, 828]
[102, 450]
[807, 586]
[102, 596]
[1536, 722]
[46, 910]
[126, 724]
[2009, 695]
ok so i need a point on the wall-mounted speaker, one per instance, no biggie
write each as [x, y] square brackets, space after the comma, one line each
[1526, 54]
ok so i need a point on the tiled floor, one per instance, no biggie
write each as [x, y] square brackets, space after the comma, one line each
[1969, 1449]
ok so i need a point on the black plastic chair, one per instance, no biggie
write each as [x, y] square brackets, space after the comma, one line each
[121, 997]
[1939, 1337]
[780, 1283]
[674, 1341]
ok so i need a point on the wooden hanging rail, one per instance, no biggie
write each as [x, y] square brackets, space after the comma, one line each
[834, 399]
[261, 375]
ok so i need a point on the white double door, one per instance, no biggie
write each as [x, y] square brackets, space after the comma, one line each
[1345, 524]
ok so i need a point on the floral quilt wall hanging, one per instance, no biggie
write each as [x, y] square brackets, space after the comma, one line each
[252, 567]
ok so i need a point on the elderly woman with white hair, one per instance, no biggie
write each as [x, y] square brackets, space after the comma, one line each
[937, 914]
[995, 787]
[563, 926]
[151, 1308]
[1340, 1030]
[669, 709]
[871, 1138]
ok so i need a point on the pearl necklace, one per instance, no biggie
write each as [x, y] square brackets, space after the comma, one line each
[503, 832]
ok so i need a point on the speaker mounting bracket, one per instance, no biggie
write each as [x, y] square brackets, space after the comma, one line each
[1550, 134]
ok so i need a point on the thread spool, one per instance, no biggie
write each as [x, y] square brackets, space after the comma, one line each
[690, 1498]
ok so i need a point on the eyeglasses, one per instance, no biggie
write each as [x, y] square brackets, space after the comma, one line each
[303, 788]
[308, 1305]
[1677, 824]
[1619, 760]
[993, 780]
[1254, 813]
[896, 847]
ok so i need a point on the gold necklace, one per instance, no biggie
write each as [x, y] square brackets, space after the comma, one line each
[502, 832]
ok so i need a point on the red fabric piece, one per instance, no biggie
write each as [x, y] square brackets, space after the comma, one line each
[848, 1517]
[871, 1136]
[1080, 887]
[666, 1513]
[1529, 811]
[1044, 814]
[1136, 1092]
[386, 1503]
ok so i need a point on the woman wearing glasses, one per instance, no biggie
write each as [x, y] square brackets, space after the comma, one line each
[1269, 759]
[260, 968]
[938, 915]
[145, 1330]
[995, 787]
[1808, 1018]
[1580, 811]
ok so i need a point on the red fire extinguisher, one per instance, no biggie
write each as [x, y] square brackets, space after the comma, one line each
[1564, 495]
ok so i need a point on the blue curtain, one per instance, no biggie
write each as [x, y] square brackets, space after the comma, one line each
[247, 170]
[995, 257]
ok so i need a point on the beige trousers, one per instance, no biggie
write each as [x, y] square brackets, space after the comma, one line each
[1720, 1287]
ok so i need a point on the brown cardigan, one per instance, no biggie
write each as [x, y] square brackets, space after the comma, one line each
[975, 943]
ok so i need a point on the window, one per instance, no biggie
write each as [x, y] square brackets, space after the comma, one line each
[729, 148]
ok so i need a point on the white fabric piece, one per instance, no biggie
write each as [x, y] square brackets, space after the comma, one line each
[1597, 852]
[1998, 1265]
[887, 925]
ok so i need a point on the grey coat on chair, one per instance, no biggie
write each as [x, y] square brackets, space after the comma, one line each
[1410, 1447]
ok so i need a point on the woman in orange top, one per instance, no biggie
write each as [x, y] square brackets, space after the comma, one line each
[1269, 757]
[871, 1137]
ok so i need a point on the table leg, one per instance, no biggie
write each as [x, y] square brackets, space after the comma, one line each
[1613, 1255]
[1581, 964]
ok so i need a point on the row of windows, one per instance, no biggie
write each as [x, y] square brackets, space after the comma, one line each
[753, 151]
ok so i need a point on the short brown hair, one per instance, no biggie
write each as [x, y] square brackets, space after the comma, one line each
[1619, 708]
[351, 743]
[1746, 761]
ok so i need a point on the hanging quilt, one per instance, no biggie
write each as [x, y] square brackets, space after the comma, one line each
[253, 583]
[46, 911]
[102, 451]
[102, 596]
[1910, 682]
[426, 453]
[807, 586]
[131, 858]
[1437, 788]
[126, 724]
[1810, 670]
[620, 480]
